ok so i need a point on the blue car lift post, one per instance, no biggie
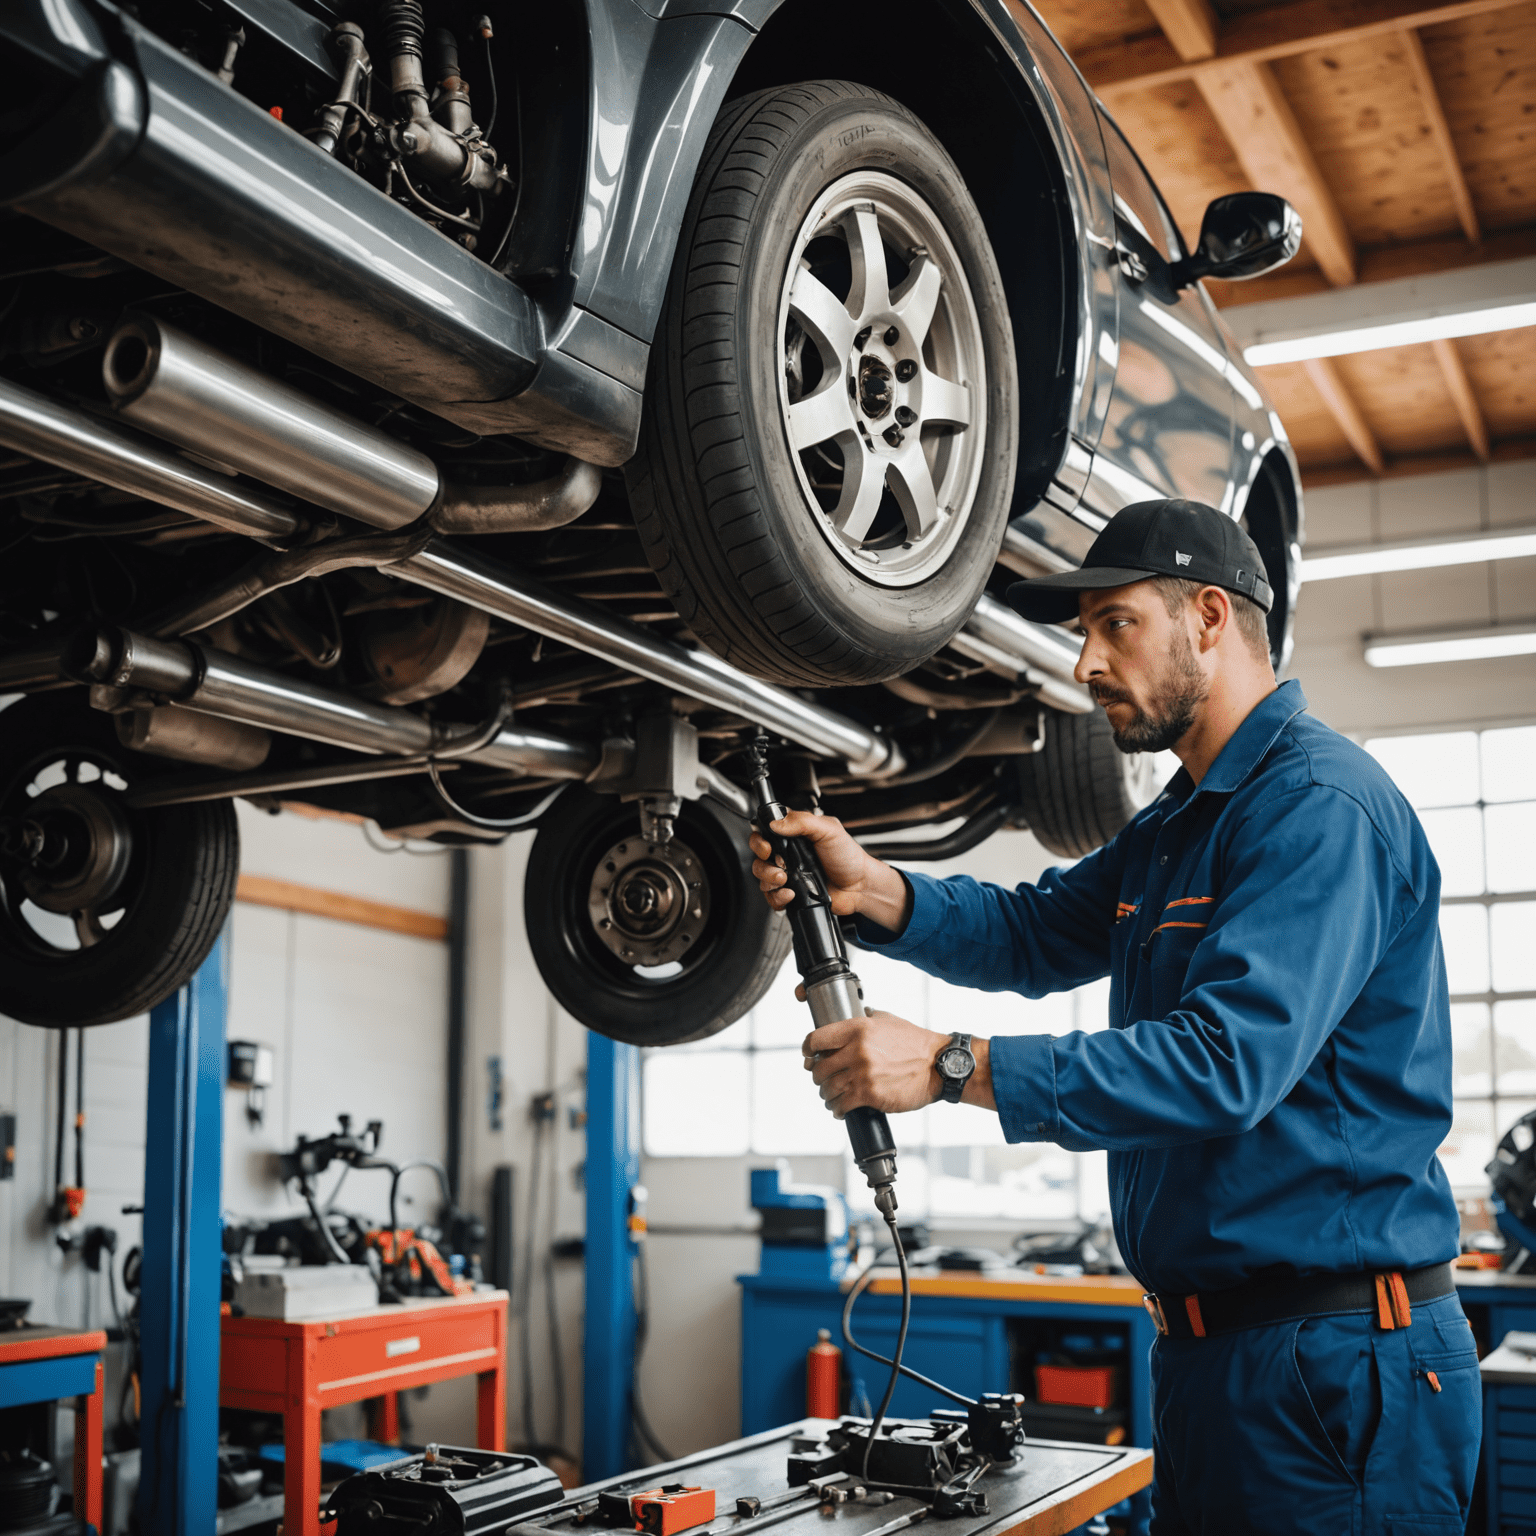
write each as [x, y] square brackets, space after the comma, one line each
[614, 1228]
[179, 1292]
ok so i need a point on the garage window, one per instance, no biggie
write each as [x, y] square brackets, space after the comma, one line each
[744, 1093]
[1476, 796]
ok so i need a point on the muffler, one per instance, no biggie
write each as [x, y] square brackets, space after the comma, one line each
[169, 383]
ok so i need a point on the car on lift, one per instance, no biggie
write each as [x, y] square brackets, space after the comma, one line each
[483, 422]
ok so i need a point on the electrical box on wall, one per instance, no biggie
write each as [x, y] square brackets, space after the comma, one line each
[251, 1067]
[7, 1146]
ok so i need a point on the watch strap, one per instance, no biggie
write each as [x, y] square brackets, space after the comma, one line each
[952, 1088]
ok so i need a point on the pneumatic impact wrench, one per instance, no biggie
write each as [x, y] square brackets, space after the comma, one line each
[831, 988]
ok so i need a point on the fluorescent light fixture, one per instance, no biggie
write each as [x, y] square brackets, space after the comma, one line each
[1400, 333]
[1420, 555]
[1451, 645]
[1465, 301]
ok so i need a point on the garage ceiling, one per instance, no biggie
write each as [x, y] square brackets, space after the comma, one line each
[1405, 135]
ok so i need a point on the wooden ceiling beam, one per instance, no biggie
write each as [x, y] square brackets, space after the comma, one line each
[1341, 406]
[1246, 100]
[1440, 131]
[1459, 387]
[1190, 25]
[1116, 69]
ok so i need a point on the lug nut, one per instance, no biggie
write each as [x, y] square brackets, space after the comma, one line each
[905, 415]
[906, 370]
[894, 436]
[892, 336]
[862, 339]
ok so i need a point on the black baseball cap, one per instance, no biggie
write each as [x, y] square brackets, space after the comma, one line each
[1152, 538]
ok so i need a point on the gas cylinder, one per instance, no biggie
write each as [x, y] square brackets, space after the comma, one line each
[823, 1377]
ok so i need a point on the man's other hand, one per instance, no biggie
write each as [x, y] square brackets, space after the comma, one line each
[881, 1061]
[858, 882]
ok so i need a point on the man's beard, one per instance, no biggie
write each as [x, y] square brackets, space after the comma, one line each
[1180, 692]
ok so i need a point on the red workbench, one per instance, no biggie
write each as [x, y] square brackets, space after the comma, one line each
[43, 1364]
[296, 1369]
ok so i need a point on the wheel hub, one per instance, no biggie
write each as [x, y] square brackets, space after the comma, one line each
[72, 845]
[876, 386]
[649, 901]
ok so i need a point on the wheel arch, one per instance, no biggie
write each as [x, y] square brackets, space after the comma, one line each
[657, 77]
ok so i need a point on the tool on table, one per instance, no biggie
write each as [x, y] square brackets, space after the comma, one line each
[832, 992]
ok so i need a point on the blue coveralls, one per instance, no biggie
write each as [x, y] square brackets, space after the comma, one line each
[1272, 1091]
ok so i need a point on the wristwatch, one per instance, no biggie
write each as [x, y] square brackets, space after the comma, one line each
[955, 1064]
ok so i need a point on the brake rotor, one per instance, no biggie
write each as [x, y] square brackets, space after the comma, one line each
[649, 902]
[75, 849]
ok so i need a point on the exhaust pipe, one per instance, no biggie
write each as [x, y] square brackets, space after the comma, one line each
[212, 683]
[1010, 645]
[189, 393]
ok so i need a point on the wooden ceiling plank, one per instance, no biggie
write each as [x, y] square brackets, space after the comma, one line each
[1114, 70]
[1341, 405]
[1190, 25]
[1440, 131]
[1460, 389]
[1247, 101]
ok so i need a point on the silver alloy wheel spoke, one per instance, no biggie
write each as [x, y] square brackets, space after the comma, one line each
[917, 298]
[826, 414]
[912, 485]
[870, 293]
[945, 404]
[883, 392]
[863, 485]
[88, 928]
[822, 317]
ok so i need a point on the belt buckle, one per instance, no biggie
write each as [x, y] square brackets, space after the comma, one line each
[1155, 1312]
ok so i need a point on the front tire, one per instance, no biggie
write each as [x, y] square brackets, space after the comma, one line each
[652, 944]
[830, 431]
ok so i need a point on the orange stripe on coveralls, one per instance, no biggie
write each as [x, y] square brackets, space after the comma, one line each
[1161, 926]
[1189, 901]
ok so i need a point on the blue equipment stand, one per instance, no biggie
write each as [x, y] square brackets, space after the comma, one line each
[179, 1295]
[613, 1192]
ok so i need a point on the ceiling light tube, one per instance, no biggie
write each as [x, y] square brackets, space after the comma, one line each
[1450, 645]
[1396, 333]
[1329, 564]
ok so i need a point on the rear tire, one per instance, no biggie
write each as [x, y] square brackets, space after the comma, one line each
[154, 887]
[1080, 788]
[713, 966]
[830, 259]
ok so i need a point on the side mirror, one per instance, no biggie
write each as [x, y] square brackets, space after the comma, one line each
[1243, 235]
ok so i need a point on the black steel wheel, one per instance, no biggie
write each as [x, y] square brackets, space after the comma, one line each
[105, 909]
[831, 417]
[1079, 789]
[649, 943]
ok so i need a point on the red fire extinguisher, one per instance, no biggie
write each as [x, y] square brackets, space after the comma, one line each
[823, 1377]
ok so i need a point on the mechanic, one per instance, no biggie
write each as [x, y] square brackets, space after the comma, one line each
[1277, 1074]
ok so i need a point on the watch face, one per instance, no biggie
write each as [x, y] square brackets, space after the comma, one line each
[956, 1062]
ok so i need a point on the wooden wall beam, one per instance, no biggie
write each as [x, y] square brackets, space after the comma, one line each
[1460, 388]
[1190, 25]
[263, 891]
[1440, 131]
[1247, 102]
[1341, 406]
[1136, 64]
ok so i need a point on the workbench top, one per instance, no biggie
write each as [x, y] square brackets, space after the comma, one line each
[38, 1341]
[382, 1315]
[1007, 1285]
[1049, 1488]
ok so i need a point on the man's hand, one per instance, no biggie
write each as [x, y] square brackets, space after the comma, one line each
[857, 881]
[886, 1063]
